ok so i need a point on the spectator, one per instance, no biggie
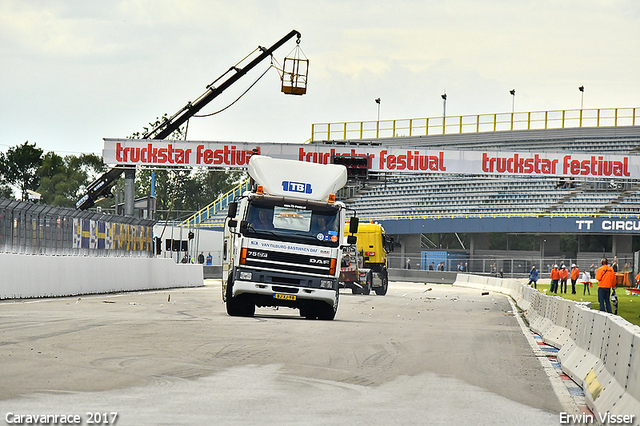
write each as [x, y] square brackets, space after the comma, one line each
[201, 258]
[460, 267]
[564, 274]
[209, 259]
[614, 264]
[408, 263]
[575, 273]
[185, 259]
[638, 280]
[555, 277]
[432, 266]
[586, 280]
[606, 277]
[501, 273]
[592, 271]
[533, 277]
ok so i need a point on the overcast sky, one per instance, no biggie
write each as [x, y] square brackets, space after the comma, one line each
[74, 71]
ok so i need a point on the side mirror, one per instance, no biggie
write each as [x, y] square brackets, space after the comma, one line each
[352, 239]
[353, 225]
[232, 223]
[244, 226]
[233, 209]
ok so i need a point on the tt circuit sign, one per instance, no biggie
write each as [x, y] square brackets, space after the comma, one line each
[599, 225]
[381, 159]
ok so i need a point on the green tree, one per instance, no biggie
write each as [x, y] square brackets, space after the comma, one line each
[5, 188]
[63, 180]
[20, 165]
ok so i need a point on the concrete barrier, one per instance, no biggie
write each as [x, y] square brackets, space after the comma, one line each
[418, 275]
[599, 351]
[28, 276]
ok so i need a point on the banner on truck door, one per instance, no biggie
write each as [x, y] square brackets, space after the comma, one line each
[381, 159]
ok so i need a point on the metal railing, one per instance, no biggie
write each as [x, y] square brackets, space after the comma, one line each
[556, 119]
[28, 228]
[201, 217]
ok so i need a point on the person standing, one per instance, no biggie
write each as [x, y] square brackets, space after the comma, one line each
[533, 277]
[555, 277]
[201, 258]
[209, 259]
[408, 263]
[592, 271]
[586, 280]
[564, 274]
[575, 273]
[606, 277]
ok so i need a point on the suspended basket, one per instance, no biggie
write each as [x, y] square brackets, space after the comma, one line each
[295, 71]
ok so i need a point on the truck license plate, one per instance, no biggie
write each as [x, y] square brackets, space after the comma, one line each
[284, 296]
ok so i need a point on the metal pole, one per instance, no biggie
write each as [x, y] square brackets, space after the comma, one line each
[129, 191]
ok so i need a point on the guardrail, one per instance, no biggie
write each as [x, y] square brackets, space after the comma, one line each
[555, 119]
[599, 351]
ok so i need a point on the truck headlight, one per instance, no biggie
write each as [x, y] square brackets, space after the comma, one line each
[326, 283]
[246, 276]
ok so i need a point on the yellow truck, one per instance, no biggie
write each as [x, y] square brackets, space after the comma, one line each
[365, 265]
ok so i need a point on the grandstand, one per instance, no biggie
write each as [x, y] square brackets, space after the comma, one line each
[429, 194]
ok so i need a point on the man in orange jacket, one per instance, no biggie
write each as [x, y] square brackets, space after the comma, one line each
[555, 277]
[564, 274]
[575, 273]
[606, 281]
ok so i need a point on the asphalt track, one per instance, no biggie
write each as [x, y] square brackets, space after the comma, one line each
[423, 354]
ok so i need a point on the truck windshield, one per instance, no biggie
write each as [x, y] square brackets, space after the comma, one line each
[317, 224]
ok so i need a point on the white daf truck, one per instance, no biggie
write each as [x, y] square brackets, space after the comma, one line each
[282, 240]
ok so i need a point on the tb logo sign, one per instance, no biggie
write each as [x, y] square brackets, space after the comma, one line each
[289, 186]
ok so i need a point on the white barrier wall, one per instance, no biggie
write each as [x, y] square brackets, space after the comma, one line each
[26, 276]
[599, 351]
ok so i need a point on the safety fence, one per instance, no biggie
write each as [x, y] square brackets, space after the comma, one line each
[556, 119]
[599, 351]
[28, 228]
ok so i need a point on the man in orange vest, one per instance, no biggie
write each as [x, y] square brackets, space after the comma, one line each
[564, 274]
[575, 273]
[606, 281]
[555, 276]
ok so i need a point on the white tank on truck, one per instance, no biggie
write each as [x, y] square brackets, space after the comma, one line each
[282, 239]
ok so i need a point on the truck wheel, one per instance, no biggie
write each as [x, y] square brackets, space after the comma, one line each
[238, 306]
[327, 312]
[369, 282]
[382, 290]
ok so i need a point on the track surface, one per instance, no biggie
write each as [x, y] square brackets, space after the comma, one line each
[422, 354]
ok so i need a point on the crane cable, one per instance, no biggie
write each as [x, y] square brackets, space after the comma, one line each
[238, 98]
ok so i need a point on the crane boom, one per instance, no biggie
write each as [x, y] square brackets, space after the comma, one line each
[101, 187]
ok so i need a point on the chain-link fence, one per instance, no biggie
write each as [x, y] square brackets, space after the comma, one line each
[517, 265]
[28, 228]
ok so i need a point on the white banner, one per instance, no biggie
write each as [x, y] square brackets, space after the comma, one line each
[381, 159]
